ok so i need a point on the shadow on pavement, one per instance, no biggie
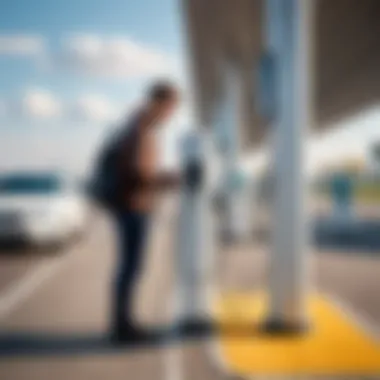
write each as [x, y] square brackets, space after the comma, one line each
[14, 344]
[57, 345]
[51, 344]
[40, 344]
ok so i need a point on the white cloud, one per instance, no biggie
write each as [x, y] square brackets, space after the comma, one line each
[117, 57]
[93, 108]
[21, 45]
[40, 104]
[114, 57]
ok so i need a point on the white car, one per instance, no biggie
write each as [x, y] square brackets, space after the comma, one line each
[40, 208]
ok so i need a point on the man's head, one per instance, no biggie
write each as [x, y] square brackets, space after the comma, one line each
[163, 97]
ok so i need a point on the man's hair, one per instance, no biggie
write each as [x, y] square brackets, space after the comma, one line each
[161, 91]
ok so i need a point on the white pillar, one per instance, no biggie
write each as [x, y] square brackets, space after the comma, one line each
[227, 126]
[288, 29]
[195, 239]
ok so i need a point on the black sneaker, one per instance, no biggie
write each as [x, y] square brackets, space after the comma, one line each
[129, 334]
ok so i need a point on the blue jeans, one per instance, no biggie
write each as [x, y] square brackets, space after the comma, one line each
[132, 228]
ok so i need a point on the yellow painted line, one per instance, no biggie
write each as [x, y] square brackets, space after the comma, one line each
[334, 344]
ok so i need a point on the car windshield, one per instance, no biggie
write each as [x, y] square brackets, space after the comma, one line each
[30, 184]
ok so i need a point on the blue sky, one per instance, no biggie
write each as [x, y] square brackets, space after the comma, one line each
[69, 68]
[149, 22]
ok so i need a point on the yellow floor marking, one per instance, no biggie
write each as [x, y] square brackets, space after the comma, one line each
[334, 344]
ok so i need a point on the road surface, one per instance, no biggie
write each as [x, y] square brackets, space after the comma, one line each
[61, 299]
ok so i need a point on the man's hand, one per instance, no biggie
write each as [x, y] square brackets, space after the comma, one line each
[167, 181]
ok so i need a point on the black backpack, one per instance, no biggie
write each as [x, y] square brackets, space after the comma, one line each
[108, 184]
[103, 182]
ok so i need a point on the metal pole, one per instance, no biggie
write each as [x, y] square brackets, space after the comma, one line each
[288, 30]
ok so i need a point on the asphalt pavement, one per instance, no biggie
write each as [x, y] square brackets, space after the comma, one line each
[55, 305]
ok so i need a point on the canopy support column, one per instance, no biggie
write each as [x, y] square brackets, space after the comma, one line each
[288, 31]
